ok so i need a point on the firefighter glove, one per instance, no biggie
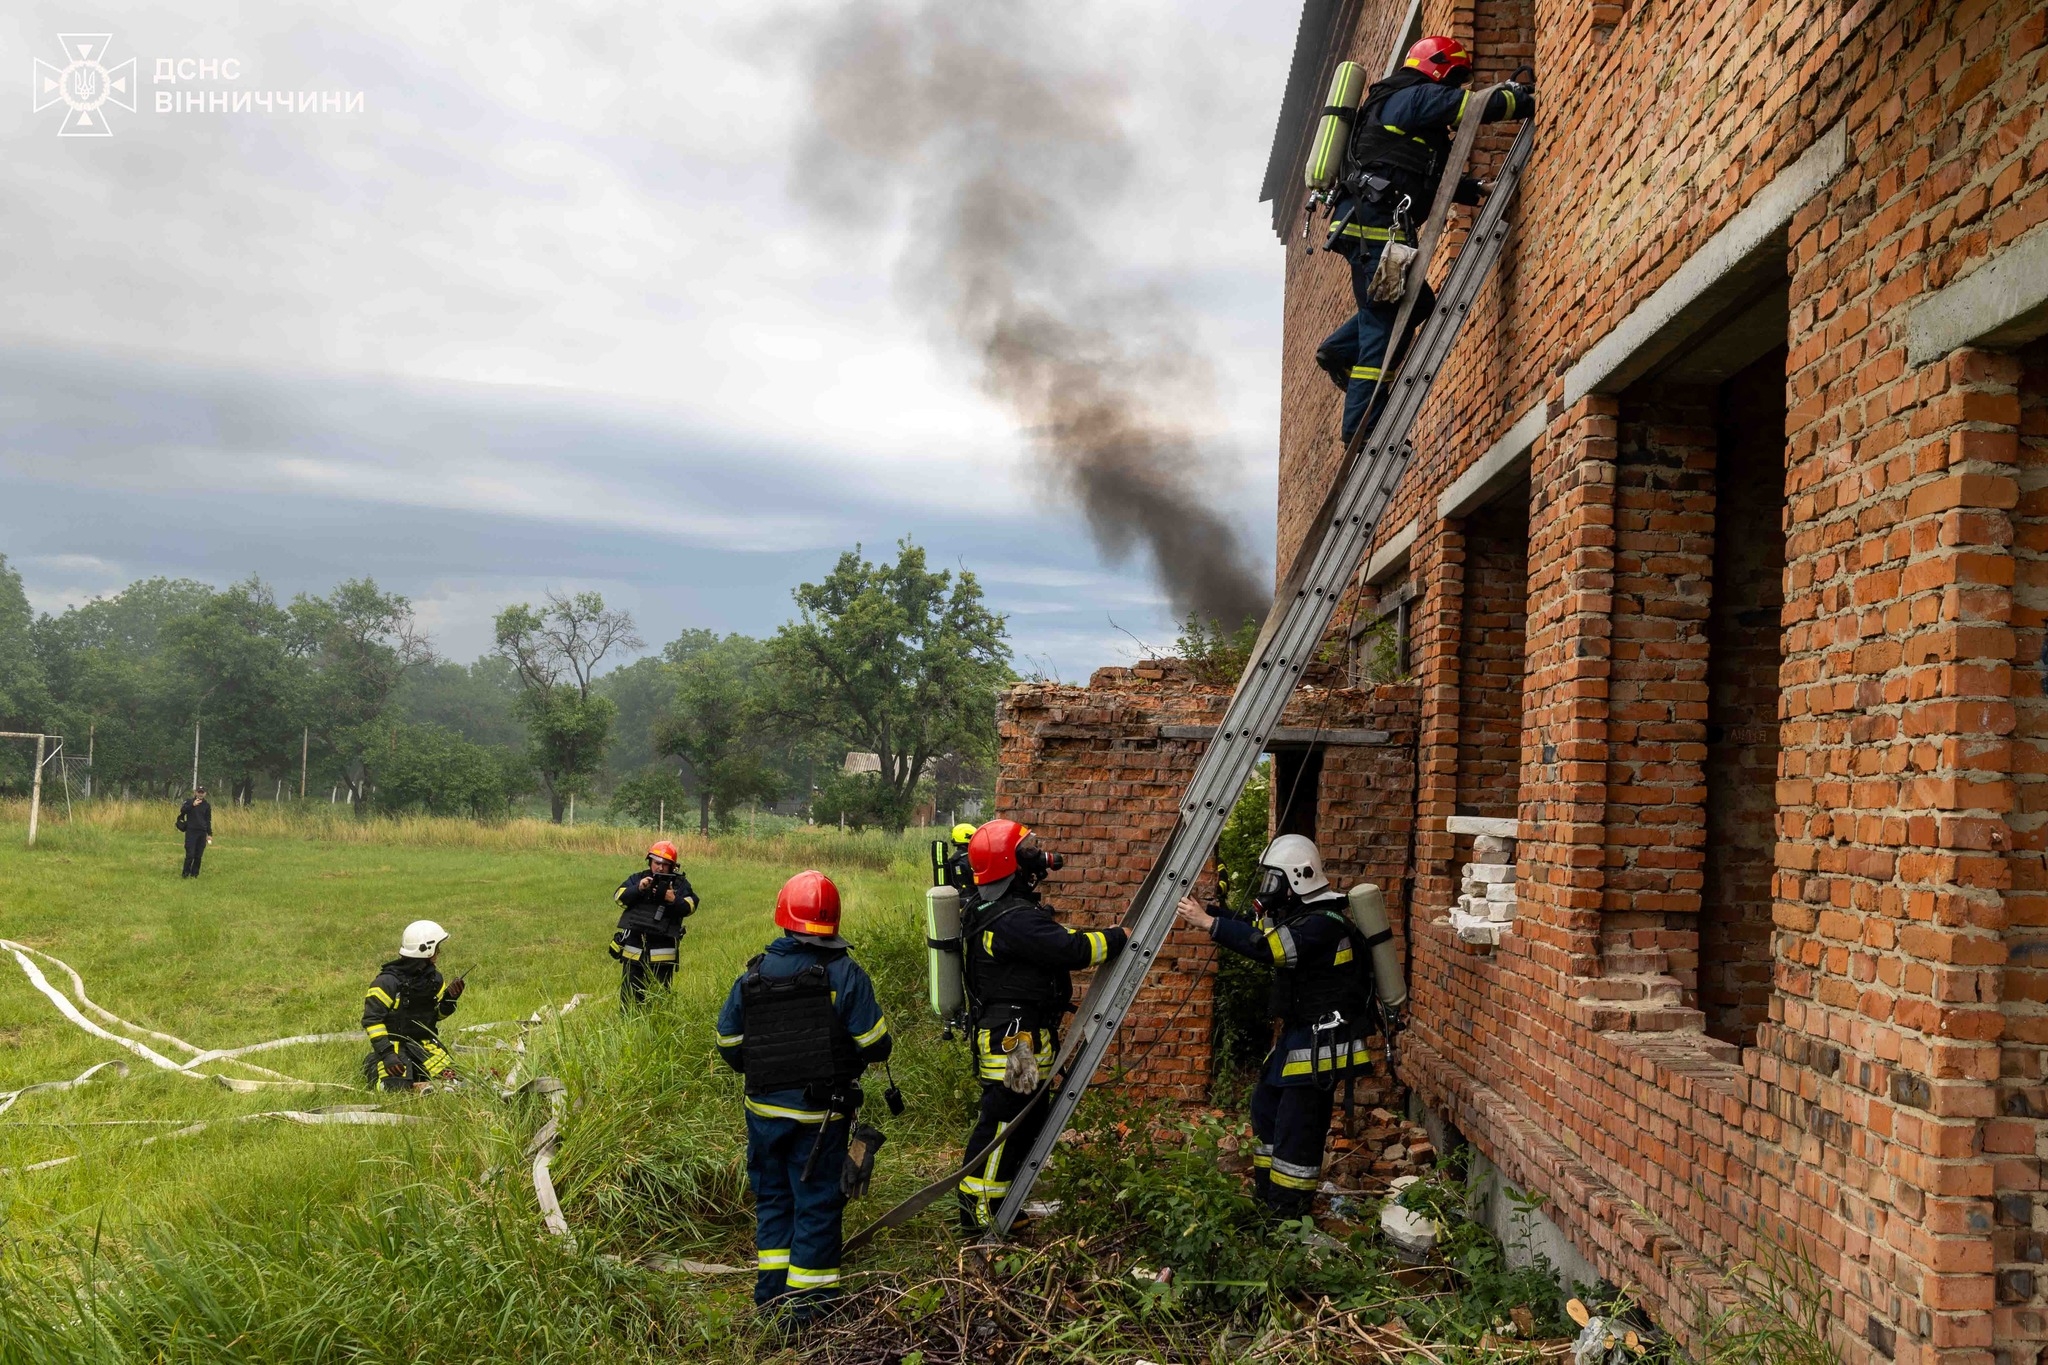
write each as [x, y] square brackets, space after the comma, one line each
[617, 947]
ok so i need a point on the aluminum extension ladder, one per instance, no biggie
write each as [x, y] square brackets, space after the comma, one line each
[1293, 629]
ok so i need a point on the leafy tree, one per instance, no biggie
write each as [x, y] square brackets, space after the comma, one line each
[248, 680]
[1215, 653]
[361, 641]
[116, 688]
[641, 690]
[475, 701]
[437, 771]
[645, 796]
[24, 694]
[856, 800]
[555, 652]
[1243, 986]
[717, 724]
[893, 659]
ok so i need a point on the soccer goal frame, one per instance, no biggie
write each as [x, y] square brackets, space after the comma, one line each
[47, 753]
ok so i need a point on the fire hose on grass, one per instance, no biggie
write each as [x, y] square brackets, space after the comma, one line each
[541, 1149]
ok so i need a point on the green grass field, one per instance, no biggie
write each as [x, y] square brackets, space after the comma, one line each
[261, 1239]
[279, 937]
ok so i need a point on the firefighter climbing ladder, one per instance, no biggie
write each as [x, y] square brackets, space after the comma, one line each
[1293, 630]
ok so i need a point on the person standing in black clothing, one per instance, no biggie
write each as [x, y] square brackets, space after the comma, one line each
[195, 818]
[1019, 964]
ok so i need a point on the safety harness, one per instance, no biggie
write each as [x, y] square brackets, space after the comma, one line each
[1036, 996]
[1399, 161]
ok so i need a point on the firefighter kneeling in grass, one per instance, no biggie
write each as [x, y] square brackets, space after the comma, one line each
[403, 1010]
[801, 1025]
[1018, 965]
[1322, 994]
[652, 907]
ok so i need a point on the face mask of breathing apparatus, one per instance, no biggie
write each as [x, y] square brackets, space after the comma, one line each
[1036, 864]
[1270, 893]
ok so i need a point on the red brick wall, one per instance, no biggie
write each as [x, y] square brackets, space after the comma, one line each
[1089, 769]
[1657, 684]
[1885, 1122]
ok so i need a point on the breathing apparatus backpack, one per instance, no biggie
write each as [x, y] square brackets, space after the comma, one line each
[944, 965]
[794, 1038]
[1333, 131]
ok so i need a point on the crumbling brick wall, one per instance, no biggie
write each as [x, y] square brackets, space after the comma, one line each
[1098, 772]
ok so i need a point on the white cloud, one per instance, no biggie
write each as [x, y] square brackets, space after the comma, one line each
[586, 207]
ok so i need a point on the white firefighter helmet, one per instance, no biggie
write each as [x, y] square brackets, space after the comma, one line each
[422, 938]
[1297, 857]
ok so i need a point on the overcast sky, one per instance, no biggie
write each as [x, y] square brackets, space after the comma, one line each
[551, 311]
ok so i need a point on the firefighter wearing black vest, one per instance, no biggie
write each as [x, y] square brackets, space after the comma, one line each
[1400, 140]
[1018, 967]
[801, 1024]
[652, 907]
[1322, 995]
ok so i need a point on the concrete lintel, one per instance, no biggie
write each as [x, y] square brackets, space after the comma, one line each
[2003, 302]
[1500, 466]
[1713, 277]
[1393, 554]
[1500, 827]
[1286, 734]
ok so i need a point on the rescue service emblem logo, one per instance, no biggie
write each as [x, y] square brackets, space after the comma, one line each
[84, 85]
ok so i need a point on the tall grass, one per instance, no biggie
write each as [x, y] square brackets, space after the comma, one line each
[876, 849]
[424, 1244]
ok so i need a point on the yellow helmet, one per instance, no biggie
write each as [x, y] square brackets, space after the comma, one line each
[962, 832]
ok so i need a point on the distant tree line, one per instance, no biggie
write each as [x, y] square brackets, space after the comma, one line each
[345, 693]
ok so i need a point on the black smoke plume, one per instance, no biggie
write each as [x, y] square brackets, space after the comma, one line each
[952, 122]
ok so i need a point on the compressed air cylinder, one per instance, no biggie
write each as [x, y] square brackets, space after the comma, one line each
[1333, 131]
[942, 950]
[1368, 910]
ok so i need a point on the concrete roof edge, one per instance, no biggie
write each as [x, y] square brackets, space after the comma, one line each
[1311, 44]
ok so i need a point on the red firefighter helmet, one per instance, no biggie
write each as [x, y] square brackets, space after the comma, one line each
[665, 851]
[992, 852]
[1440, 59]
[808, 904]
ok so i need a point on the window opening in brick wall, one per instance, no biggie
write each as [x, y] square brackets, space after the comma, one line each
[1744, 631]
[1692, 730]
[1297, 788]
[1492, 640]
[1380, 650]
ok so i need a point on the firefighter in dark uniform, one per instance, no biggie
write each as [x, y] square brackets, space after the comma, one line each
[195, 822]
[1400, 140]
[801, 1024]
[1018, 966]
[653, 905]
[1323, 997]
[403, 1010]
